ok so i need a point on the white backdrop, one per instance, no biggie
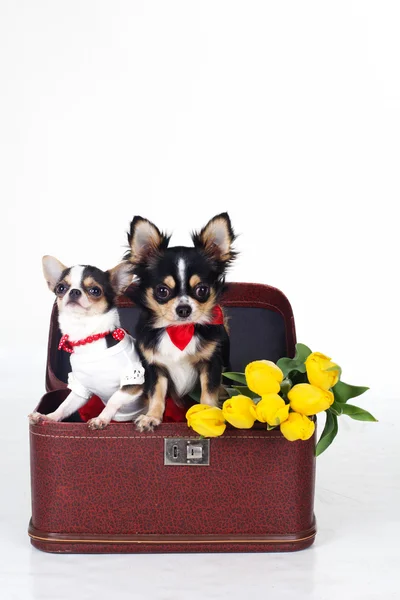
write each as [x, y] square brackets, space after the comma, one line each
[286, 114]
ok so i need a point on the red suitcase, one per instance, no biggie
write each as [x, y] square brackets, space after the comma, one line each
[118, 490]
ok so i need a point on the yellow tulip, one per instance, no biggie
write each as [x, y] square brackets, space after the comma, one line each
[307, 399]
[321, 371]
[238, 411]
[272, 410]
[263, 377]
[297, 427]
[206, 420]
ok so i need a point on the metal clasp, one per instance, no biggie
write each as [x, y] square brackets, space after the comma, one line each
[183, 451]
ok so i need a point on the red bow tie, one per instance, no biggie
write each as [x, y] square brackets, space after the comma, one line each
[68, 346]
[180, 335]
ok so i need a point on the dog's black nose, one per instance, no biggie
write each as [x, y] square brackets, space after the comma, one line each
[75, 294]
[183, 311]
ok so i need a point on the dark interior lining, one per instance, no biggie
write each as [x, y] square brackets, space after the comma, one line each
[255, 333]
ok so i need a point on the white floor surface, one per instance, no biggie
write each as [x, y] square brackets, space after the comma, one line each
[356, 554]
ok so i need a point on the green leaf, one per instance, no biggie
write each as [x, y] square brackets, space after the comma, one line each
[335, 368]
[336, 408]
[270, 427]
[302, 352]
[287, 365]
[329, 433]
[195, 394]
[231, 391]
[297, 377]
[245, 391]
[286, 386]
[343, 391]
[235, 377]
[359, 414]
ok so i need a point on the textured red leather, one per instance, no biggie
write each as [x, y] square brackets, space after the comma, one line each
[109, 491]
[142, 548]
[113, 482]
[171, 543]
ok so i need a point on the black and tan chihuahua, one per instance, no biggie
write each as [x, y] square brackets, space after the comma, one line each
[181, 334]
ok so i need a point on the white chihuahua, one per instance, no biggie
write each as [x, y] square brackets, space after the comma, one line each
[104, 360]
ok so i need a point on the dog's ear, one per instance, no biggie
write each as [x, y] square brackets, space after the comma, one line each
[52, 271]
[145, 240]
[216, 239]
[121, 277]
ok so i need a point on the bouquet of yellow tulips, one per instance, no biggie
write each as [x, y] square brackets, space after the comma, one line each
[283, 395]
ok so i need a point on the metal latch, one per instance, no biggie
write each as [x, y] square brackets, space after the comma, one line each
[184, 451]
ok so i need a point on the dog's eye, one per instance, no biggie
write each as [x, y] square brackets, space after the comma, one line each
[94, 291]
[162, 292]
[201, 291]
[61, 289]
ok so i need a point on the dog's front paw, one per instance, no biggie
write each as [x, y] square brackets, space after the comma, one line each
[97, 423]
[35, 418]
[146, 423]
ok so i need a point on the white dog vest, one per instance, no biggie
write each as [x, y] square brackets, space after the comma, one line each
[106, 372]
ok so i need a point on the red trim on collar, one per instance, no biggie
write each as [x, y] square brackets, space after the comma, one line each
[68, 346]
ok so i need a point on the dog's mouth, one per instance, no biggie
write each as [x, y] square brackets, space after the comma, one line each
[196, 317]
[180, 320]
[75, 305]
[163, 319]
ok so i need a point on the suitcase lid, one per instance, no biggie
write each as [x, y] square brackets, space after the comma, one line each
[261, 326]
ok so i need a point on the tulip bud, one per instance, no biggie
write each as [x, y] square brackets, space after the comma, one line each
[272, 410]
[321, 371]
[263, 377]
[307, 399]
[297, 427]
[206, 420]
[238, 411]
